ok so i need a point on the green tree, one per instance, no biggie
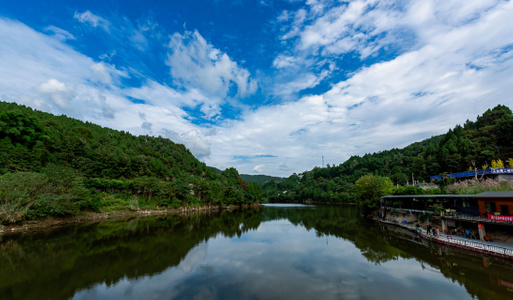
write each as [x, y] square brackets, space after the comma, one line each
[255, 192]
[370, 187]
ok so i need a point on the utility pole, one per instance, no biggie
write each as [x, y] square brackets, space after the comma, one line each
[323, 161]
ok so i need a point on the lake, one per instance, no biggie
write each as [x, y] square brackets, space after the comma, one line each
[272, 252]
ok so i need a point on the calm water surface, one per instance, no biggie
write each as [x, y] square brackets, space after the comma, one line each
[274, 252]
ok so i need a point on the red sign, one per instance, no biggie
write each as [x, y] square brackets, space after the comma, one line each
[500, 218]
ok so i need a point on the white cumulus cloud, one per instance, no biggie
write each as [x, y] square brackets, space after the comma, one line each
[196, 63]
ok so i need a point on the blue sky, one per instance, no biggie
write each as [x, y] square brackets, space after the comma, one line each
[266, 86]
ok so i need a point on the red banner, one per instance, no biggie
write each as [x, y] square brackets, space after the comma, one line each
[500, 218]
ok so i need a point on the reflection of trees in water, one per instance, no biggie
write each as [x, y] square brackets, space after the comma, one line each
[10, 252]
[342, 222]
[62, 262]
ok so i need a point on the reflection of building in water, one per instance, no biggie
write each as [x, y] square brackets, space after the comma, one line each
[242, 229]
[505, 283]
[480, 275]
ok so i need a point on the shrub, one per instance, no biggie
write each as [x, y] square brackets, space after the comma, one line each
[474, 186]
[409, 190]
[170, 202]
[12, 212]
[424, 217]
[433, 191]
[93, 203]
[51, 205]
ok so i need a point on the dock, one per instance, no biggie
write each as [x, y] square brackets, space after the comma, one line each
[489, 248]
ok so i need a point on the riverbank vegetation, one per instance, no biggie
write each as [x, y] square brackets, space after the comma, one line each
[475, 145]
[58, 166]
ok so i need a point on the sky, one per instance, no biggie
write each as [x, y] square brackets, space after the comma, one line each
[266, 86]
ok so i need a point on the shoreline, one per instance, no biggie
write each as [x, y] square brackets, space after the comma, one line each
[316, 202]
[49, 224]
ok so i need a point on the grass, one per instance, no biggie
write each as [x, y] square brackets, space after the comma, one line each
[12, 212]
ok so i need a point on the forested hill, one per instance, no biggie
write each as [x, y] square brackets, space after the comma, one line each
[30, 140]
[260, 179]
[75, 159]
[477, 143]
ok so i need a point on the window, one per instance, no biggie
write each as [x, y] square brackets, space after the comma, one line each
[490, 206]
[504, 210]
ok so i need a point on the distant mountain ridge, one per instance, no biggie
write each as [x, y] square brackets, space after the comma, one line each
[261, 179]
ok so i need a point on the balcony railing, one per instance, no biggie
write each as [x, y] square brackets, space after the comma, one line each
[412, 210]
[472, 245]
[465, 217]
